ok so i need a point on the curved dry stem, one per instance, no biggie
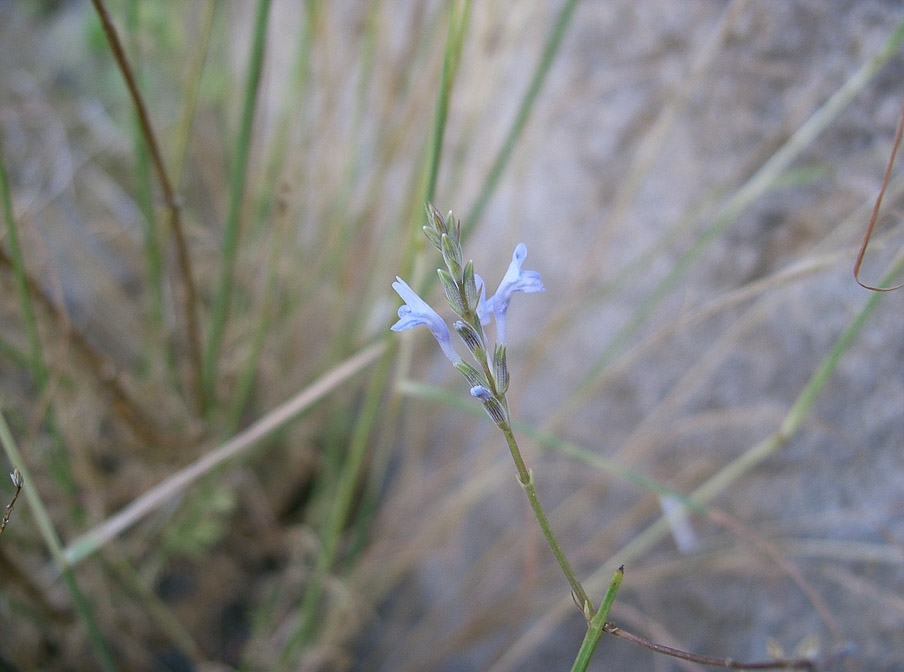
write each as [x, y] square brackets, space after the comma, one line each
[169, 198]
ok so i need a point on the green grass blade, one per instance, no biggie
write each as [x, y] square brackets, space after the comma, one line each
[236, 198]
[349, 479]
[36, 358]
[52, 541]
[563, 20]
[458, 23]
[465, 404]
[144, 198]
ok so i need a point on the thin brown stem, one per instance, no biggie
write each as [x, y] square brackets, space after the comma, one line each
[875, 214]
[775, 664]
[169, 198]
[17, 481]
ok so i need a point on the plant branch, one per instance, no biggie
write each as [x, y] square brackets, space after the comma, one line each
[16, 477]
[875, 214]
[776, 664]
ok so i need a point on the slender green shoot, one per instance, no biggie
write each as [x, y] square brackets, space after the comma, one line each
[144, 198]
[36, 358]
[597, 623]
[563, 20]
[458, 22]
[343, 499]
[52, 541]
[236, 199]
[59, 459]
[190, 90]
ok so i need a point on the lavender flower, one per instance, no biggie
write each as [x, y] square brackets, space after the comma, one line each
[514, 280]
[416, 311]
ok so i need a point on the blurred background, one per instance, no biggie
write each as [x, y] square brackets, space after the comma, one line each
[703, 391]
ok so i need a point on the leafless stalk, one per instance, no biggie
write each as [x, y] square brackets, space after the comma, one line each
[16, 478]
[776, 664]
[169, 197]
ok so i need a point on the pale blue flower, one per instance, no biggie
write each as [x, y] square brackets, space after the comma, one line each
[514, 280]
[415, 312]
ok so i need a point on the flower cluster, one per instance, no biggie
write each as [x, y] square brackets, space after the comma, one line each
[466, 294]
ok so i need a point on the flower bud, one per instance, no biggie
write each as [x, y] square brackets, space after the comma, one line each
[435, 219]
[451, 255]
[470, 285]
[433, 237]
[472, 339]
[471, 374]
[500, 369]
[491, 405]
[450, 288]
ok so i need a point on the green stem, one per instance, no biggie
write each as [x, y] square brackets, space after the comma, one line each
[342, 509]
[597, 623]
[236, 191]
[38, 368]
[526, 479]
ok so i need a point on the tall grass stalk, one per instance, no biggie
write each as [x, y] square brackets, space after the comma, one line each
[52, 541]
[353, 460]
[458, 22]
[30, 323]
[349, 479]
[563, 20]
[237, 185]
[59, 459]
[191, 86]
[152, 250]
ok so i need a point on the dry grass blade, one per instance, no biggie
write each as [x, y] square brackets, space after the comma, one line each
[165, 491]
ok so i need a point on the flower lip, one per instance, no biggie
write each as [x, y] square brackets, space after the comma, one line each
[514, 280]
[417, 312]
